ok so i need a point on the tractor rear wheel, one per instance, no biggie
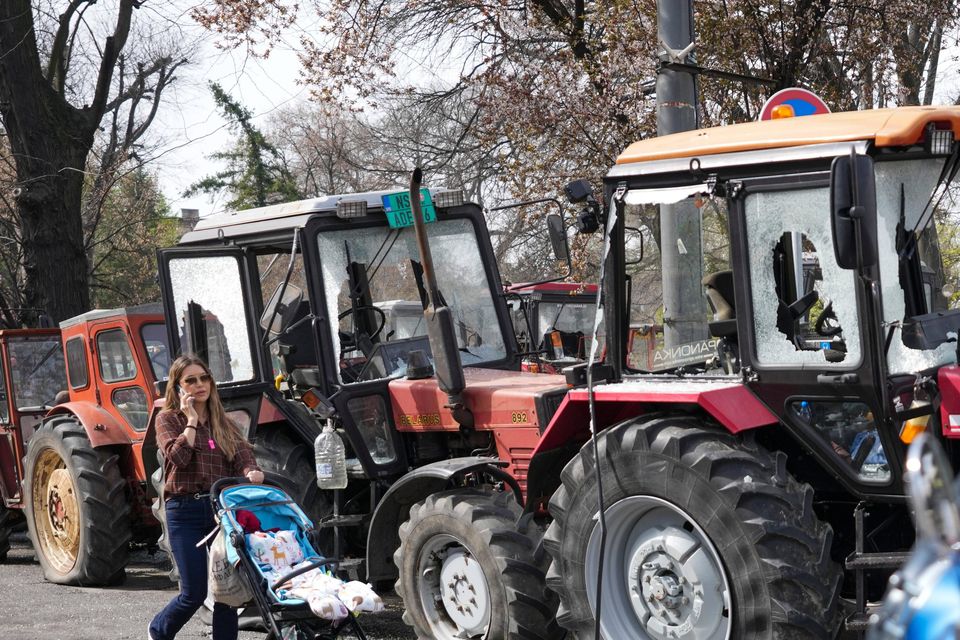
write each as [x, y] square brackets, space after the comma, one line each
[467, 572]
[708, 537]
[78, 516]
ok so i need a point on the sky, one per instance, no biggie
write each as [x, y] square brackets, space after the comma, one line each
[190, 126]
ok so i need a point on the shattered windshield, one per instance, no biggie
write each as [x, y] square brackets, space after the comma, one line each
[903, 191]
[38, 370]
[363, 268]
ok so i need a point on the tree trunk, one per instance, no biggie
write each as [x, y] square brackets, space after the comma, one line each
[49, 140]
[55, 262]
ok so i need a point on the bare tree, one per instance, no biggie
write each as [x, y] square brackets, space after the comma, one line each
[59, 72]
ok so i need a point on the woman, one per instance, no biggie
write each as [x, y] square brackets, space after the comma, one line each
[200, 445]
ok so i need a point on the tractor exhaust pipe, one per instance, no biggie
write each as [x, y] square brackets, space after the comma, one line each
[440, 323]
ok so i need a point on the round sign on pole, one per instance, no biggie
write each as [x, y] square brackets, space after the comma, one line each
[800, 101]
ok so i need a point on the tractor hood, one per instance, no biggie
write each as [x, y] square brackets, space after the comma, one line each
[497, 399]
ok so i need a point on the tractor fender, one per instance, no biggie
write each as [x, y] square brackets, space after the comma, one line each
[101, 427]
[731, 403]
[383, 538]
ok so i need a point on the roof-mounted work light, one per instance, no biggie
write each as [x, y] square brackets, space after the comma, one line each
[938, 142]
[351, 208]
[447, 199]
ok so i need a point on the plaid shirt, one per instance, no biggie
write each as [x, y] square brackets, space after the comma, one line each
[194, 469]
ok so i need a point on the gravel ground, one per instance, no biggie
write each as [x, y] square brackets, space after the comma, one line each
[33, 609]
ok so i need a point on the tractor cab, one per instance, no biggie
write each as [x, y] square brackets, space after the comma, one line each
[553, 322]
[836, 322]
[32, 375]
[322, 301]
[790, 299]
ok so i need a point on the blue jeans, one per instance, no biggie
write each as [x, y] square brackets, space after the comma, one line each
[188, 521]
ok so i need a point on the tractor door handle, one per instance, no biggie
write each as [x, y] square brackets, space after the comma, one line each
[843, 378]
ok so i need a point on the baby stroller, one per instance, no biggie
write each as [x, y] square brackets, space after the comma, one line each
[285, 616]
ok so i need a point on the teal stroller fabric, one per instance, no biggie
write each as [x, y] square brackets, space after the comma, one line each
[284, 614]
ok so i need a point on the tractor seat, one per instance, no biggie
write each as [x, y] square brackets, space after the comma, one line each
[719, 289]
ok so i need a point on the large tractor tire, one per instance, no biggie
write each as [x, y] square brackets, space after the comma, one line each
[6, 526]
[288, 463]
[708, 537]
[78, 517]
[467, 572]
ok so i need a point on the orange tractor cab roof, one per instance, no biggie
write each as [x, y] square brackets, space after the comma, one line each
[884, 127]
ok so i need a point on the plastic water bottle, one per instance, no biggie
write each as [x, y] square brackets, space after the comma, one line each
[331, 459]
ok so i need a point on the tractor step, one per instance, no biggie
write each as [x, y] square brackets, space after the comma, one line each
[351, 568]
[858, 621]
[866, 561]
[352, 520]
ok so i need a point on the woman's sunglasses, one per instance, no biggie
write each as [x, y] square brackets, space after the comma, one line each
[203, 377]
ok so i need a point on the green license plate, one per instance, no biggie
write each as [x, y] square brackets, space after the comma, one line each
[399, 213]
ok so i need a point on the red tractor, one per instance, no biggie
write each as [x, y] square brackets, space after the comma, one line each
[746, 479]
[76, 404]
[553, 322]
[312, 298]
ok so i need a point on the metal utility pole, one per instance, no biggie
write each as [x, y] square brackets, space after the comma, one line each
[681, 249]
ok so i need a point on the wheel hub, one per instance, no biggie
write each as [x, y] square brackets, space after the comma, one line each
[62, 506]
[662, 578]
[463, 589]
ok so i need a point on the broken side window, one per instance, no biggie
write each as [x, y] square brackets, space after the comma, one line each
[804, 305]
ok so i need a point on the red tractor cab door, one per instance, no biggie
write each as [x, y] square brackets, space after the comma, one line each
[124, 377]
[32, 375]
[207, 302]
[808, 331]
[11, 443]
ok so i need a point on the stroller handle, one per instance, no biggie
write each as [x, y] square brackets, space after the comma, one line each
[222, 484]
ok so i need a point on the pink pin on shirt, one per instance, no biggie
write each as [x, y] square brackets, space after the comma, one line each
[213, 445]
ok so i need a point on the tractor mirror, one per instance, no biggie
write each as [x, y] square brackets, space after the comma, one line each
[558, 237]
[853, 211]
[281, 308]
[443, 344]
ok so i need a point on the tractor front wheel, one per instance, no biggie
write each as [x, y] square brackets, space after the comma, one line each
[708, 537]
[78, 517]
[466, 571]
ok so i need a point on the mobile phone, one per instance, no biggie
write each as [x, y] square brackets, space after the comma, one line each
[180, 391]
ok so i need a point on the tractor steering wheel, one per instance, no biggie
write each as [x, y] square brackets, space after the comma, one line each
[368, 307]
[821, 326]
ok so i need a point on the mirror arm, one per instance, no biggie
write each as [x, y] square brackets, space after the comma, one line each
[524, 203]
[286, 330]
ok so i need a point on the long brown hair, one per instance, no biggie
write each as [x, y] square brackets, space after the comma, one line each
[225, 433]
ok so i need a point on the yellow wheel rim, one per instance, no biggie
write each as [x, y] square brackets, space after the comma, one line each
[56, 511]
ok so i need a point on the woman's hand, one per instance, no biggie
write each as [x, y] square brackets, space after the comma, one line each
[255, 476]
[186, 406]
